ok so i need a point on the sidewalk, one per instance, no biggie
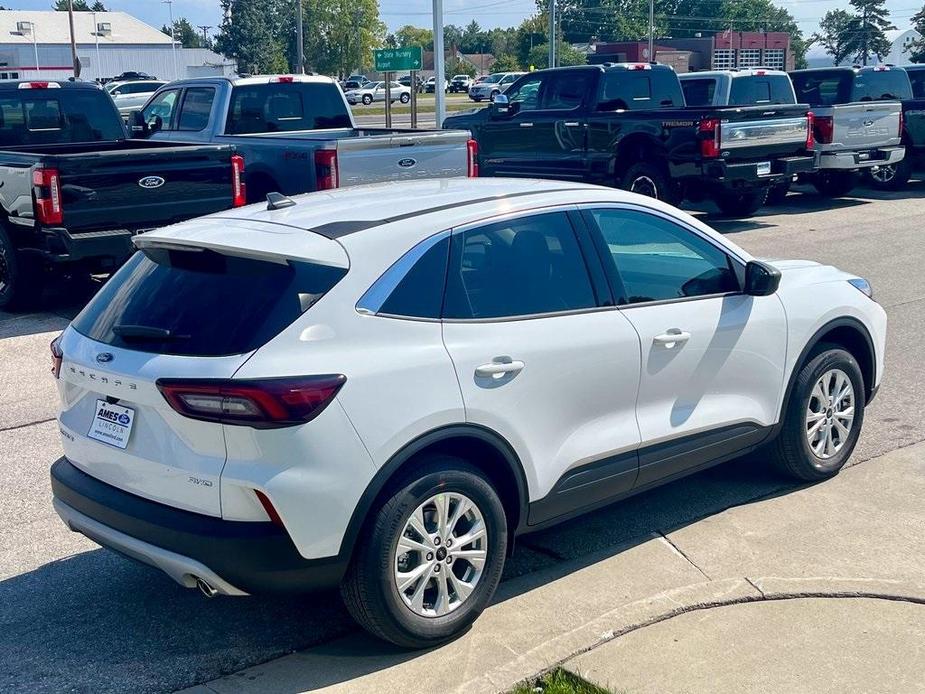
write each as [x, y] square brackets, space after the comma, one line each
[820, 580]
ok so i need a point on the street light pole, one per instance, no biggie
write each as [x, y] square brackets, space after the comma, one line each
[96, 35]
[552, 33]
[651, 31]
[173, 40]
[74, 58]
[439, 68]
[35, 47]
[300, 51]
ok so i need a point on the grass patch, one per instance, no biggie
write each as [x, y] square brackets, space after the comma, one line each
[423, 108]
[560, 682]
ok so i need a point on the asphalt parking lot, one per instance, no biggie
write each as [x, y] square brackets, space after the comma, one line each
[74, 617]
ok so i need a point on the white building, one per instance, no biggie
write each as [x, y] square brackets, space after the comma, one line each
[38, 45]
[901, 41]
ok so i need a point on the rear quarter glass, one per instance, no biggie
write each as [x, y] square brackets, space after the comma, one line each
[201, 303]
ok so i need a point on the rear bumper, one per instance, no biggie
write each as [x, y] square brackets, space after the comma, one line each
[234, 557]
[747, 174]
[861, 159]
[61, 246]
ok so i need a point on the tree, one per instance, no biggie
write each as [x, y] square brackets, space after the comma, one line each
[250, 35]
[473, 38]
[80, 6]
[856, 35]
[566, 55]
[505, 63]
[415, 36]
[459, 67]
[833, 34]
[187, 36]
[917, 50]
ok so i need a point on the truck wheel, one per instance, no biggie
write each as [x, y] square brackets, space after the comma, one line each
[367, 99]
[889, 177]
[823, 417]
[834, 184]
[740, 203]
[649, 179]
[405, 98]
[430, 557]
[20, 276]
[777, 194]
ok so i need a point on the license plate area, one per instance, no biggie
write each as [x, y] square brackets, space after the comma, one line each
[112, 424]
[763, 168]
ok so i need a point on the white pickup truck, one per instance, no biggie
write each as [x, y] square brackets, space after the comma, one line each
[858, 122]
[297, 134]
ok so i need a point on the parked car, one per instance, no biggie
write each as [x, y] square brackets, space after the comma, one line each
[743, 87]
[297, 134]
[460, 83]
[132, 75]
[129, 96]
[492, 85]
[431, 84]
[495, 357]
[355, 82]
[626, 125]
[74, 190]
[407, 81]
[858, 122]
[375, 91]
[895, 176]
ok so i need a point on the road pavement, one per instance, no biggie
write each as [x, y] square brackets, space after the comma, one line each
[75, 617]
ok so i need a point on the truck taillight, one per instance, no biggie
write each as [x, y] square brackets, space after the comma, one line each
[709, 131]
[472, 159]
[46, 187]
[57, 355]
[238, 188]
[326, 174]
[263, 403]
[823, 129]
[810, 130]
[902, 121]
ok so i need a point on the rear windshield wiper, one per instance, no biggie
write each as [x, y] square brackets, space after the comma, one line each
[146, 332]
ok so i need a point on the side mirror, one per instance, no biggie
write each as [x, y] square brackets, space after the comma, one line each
[501, 107]
[137, 124]
[761, 279]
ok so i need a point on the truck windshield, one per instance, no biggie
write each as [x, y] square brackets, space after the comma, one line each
[52, 116]
[272, 108]
[823, 87]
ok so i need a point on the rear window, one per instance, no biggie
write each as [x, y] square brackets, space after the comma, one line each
[639, 89]
[823, 88]
[755, 90]
[51, 116]
[201, 303]
[881, 85]
[271, 108]
[699, 92]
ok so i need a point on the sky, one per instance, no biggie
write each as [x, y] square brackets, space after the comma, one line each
[488, 13]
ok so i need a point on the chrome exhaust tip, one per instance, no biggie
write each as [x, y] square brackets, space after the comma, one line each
[205, 588]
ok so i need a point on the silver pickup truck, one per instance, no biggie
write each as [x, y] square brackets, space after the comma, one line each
[858, 122]
[297, 134]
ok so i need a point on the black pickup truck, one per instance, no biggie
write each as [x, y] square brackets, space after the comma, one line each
[895, 176]
[627, 125]
[74, 188]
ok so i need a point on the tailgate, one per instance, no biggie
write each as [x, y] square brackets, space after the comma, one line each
[764, 132]
[143, 188]
[865, 125]
[402, 156]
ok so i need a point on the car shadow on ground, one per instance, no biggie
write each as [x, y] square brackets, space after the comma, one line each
[97, 622]
[53, 310]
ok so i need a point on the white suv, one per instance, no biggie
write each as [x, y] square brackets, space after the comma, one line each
[311, 395]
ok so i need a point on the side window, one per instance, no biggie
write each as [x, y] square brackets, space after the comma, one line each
[419, 293]
[656, 260]
[640, 88]
[917, 77]
[566, 90]
[162, 107]
[197, 105]
[526, 266]
[526, 93]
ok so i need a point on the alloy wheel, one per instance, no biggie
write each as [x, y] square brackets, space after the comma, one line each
[884, 173]
[440, 555]
[830, 414]
[643, 185]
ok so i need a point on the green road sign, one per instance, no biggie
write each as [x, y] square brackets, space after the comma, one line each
[398, 59]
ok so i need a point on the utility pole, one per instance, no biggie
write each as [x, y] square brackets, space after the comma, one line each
[204, 28]
[299, 41]
[439, 68]
[865, 38]
[552, 33]
[70, 19]
[96, 35]
[651, 31]
[173, 40]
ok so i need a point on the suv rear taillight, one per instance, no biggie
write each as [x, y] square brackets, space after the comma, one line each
[57, 355]
[709, 131]
[824, 129]
[810, 131]
[238, 189]
[46, 187]
[326, 173]
[472, 159]
[263, 404]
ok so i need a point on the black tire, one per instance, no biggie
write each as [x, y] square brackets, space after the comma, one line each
[369, 589]
[477, 99]
[791, 452]
[367, 99]
[740, 204]
[405, 98]
[890, 177]
[777, 194]
[649, 178]
[21, 276]
[835, 184]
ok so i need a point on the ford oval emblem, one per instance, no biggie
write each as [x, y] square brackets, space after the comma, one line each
[151, 182]
[407, 162]
[868, 123]
[104, 357]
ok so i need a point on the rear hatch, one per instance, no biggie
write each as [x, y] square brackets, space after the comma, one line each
[194, 304]
[865, 125]
[141, 185]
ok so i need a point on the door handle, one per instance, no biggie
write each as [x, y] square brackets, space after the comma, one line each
[572, 124]
[526, 125]
[499, 367]
[671, 337]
